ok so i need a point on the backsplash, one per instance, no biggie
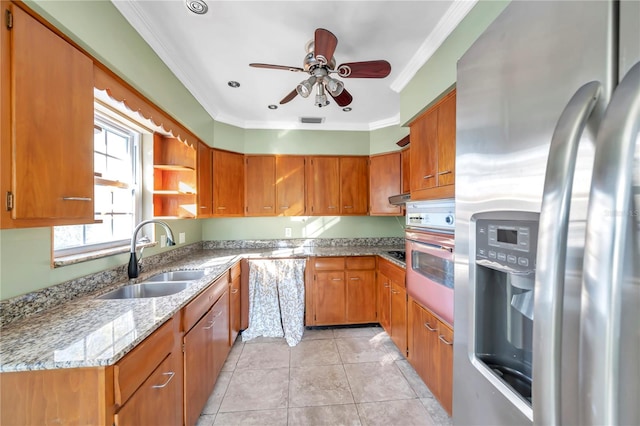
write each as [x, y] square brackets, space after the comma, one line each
[38, 301]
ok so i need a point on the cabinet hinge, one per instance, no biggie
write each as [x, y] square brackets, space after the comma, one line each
[182, 347]
[8, 18]
[9, 201]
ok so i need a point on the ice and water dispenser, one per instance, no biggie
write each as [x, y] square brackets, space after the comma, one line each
[504, 276]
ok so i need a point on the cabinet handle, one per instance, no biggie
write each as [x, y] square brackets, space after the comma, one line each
[331, 207]
[386, 285]
[445, 341]
[170, 374]
[348, 207]
[446, 172]
[336, 279]
[354, 278]
[284, 207]
[77, 198]
[203, 207]
[212, 323]
[426, 324]
[427, 177]
[222, 208]
[394, 291]
[267, 207]
[234, 291]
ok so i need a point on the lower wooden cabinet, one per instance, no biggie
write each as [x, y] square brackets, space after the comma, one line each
[431, 352]
[235, 303]
[341, 290]
[392, 306]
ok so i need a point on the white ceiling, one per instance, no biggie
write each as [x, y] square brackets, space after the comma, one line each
[207, 51]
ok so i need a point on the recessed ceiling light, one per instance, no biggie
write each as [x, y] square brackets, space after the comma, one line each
[273, 106]
[197, 6]
[233, 84]
[346, 109]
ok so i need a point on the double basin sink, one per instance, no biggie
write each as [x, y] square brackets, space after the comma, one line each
[164, 284]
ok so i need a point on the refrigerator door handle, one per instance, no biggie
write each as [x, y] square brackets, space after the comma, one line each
[609, 223]
[552, 249]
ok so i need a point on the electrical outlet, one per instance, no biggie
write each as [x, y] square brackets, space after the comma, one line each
[287, 232]
[163, 240]
[182, 237]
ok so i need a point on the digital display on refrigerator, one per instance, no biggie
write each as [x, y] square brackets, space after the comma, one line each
[509, 236]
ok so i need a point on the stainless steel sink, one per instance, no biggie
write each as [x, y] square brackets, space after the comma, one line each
[146, 290]
[186, 275]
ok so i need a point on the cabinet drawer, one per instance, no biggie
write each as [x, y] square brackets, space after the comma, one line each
[361, 262]
[132, 370]
[445, 333]
[329, 263]
[235, 271]
[201, 304]
[393, 272]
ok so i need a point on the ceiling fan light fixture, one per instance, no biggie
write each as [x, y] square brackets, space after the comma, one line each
[199, 7]
[335, 87]
[305, 87]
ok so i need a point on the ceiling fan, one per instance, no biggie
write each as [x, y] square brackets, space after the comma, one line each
[319, 62]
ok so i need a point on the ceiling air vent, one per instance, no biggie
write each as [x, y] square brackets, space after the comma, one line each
[312, 120]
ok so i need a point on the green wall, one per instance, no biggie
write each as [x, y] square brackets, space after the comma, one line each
[99, 28]
[438, 74]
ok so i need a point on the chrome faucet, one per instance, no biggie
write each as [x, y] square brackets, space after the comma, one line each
[133, 261]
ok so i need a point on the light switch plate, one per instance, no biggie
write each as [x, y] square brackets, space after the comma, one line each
[181, 237]
[163, 240]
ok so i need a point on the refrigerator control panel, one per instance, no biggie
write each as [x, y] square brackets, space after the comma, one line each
[508, 245]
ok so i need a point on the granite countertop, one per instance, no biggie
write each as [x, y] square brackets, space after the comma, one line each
[91, 332]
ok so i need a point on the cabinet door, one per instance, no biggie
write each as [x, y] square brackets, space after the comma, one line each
[290, 184]
[384, 178]
[228, 172]
[220, 333]
[399, 317]
[432, 353]
[329, 298]
[354, 185]
[384, 302]
[260, 189]
[323, 186]
[198, 367]
[156, 402]
[447, 141]
[234, 309]
[52, 122]
[361, 296]
[424, 133]
[205, 181]
[406, 170]
[445, 354]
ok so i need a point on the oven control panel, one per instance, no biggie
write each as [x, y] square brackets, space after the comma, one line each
[437, 215]
[508, 245]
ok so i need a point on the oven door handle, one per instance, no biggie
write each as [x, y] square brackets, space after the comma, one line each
[436, 246]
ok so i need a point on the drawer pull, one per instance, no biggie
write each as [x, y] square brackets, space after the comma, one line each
[394, 291]
[222, 208]
[170, 374]
[331, 207]
[348, 207]
[445, 341]
[211, 324]
[354, 278]
[446, 172]
[427, 177]
[284, 207]
[234, 291]
[267, 207]
[426, 324]
[386, 285]
[77, 198]
[336, 279]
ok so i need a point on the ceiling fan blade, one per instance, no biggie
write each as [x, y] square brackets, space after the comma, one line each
[343, 99]
[289, 97]
[366, 69]
[276, 67]
[324, 45]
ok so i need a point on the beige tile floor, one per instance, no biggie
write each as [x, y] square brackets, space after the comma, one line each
[341, 376]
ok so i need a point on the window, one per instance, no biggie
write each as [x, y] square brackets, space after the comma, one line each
[116, 197]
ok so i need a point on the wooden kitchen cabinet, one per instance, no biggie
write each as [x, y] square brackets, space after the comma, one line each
[228, 178]
[432, 159]
[47, 126]
[205, 180]
[323, 186]
[260, 185]
[290, 185]
[235, 302]
[384, 181]
[354, 185]
[431, 352]
[406, 170]
[174, 177]
[393, 302]
[342, 291]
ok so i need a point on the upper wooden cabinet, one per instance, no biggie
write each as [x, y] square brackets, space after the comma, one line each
[433, 140]
[260, 185]
[337, 186]
[174, 178]
[384, 178]
[205, 180]
[228, 178]
[406, 170]
[290, 185]
[47, 127]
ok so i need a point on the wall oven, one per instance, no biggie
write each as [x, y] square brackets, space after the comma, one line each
[430, 255]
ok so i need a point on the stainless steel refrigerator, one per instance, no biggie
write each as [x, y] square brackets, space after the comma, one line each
[547, 262]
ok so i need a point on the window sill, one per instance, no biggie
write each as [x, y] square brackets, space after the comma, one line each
[98, 254]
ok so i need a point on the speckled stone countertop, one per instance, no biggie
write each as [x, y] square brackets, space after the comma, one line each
[91, 332]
